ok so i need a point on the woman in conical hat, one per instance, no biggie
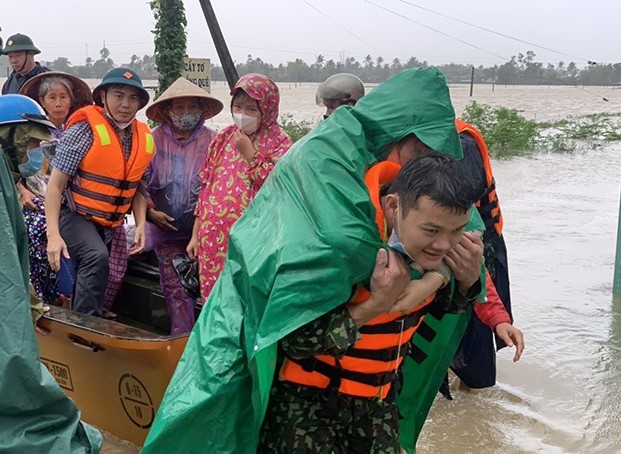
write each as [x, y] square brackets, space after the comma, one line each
[60, 94]
[181, 141]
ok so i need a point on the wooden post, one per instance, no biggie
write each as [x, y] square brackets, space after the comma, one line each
[471, 81]
[223, 51]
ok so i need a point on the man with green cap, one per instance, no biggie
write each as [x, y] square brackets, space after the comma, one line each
[99, 167]
[21, 51]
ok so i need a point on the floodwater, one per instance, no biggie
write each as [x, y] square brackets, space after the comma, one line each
[561, 212]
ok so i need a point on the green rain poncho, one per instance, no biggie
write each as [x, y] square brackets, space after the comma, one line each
[305, 240]
[36, 417]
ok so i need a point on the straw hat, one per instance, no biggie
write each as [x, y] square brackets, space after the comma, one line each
[81, 91]
[183, 88]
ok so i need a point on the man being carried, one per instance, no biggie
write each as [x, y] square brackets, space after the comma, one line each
[99, 165]
[337, 385]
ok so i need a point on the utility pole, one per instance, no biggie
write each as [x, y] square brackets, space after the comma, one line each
[228, 66]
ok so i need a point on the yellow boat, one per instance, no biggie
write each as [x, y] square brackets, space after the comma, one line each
[116, 373]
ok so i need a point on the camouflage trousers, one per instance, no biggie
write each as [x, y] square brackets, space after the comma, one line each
[301, 419]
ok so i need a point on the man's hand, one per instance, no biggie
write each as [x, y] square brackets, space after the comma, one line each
[465, 260]
[139, 240]
[512, 337]
[55, 247]
[161, 219]
[390, 277]
[244, 145]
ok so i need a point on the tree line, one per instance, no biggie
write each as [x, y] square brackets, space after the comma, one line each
[521, 69]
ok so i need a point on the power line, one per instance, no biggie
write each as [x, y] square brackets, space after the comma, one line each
[336, 23]
[491, 31]
[436, 30]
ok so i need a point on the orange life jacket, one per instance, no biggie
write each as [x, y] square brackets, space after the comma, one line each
[369, 367]
[488, 205]
[104, 186]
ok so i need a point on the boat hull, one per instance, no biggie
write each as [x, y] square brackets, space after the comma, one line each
[116, 374]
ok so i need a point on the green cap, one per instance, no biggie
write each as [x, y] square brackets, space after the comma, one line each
[20, 43]
[121, 76]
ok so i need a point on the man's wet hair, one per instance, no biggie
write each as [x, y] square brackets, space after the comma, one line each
[438, 176]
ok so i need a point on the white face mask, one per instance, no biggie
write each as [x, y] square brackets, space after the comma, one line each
[246, 123]
[394, 241]
[122, 126]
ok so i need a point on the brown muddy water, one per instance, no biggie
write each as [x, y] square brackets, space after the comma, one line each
[561, 212]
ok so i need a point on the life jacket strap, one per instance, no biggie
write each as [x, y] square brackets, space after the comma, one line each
[394, 327]
[119, 184]
[117, 201]
[89, 213]
[385, 354]
[335, 374]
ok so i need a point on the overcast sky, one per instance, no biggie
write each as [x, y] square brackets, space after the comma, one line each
[281, 30]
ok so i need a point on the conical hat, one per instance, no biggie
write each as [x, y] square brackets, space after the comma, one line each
[81, 91]
[183, 88]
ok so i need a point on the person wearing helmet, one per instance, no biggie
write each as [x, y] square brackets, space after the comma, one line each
[21, 51]
[341, 89]
[99, 166]
[36, 414]
[23, 128]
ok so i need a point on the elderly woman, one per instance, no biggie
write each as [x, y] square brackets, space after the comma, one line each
[181, 142]
[60, 95]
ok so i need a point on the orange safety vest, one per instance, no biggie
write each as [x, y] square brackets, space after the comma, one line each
[368, 367]
[104, 186]
[488, 206]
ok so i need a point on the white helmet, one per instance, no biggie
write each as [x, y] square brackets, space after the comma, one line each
[343, 87]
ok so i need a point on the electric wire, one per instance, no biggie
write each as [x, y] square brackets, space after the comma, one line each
[436, 30]
[489, 30]
[335, 22]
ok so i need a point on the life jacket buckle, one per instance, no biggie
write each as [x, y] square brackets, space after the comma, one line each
[124, 184]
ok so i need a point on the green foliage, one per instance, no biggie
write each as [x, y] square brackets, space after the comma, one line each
[591, 131]
[506, 132]
[295, 129]
[170, 40]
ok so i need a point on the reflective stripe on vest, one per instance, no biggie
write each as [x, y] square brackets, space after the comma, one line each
[488, 206]
[368, 367]
[105, 184]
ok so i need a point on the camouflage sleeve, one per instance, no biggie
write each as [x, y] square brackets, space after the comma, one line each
[453, 302]
[331, 334]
